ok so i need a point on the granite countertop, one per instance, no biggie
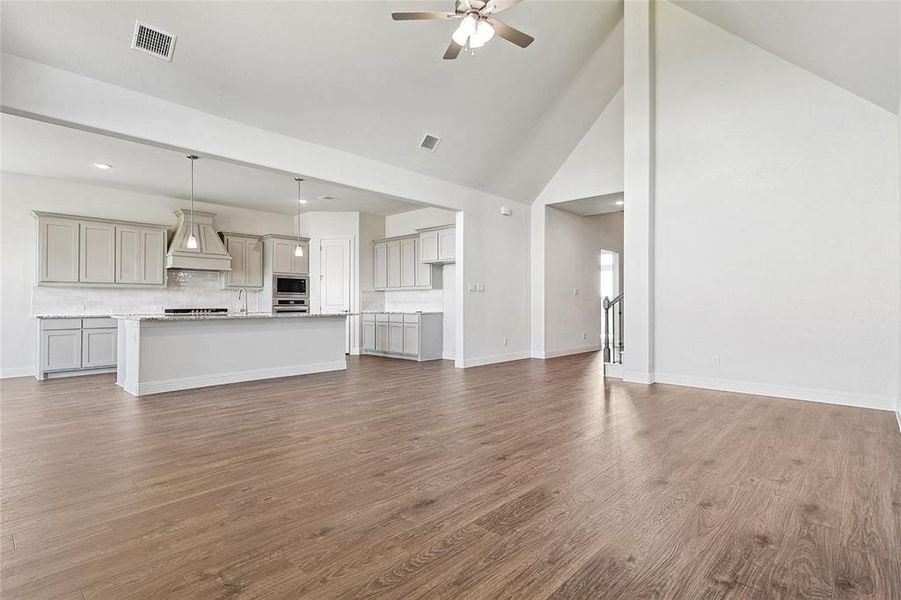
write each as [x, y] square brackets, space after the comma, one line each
[400, 312]
[70, 316]
[230, 316]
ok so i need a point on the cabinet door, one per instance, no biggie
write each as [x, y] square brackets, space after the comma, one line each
[381, 337]
[407, 263]
[97, 255]
[253, 263]
[446, 245]
[61, 350]
[393, 264]
[380, 266]
[428, 241]
[423, 270]
[282, 256]
[411, 339]
[128, 255]
[57, 250]
[153, 256]
[237, 249]
[396, 338]
[369, 336]
[301, 264]
[98, 348]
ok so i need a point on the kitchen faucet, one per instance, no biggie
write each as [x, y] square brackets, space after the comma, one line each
[242, 292]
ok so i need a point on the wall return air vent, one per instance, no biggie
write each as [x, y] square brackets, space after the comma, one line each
[153, 41]
[429, 142]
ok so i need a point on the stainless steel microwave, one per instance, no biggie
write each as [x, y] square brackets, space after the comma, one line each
[290, 286]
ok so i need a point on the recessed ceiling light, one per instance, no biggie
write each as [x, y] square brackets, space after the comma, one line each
[301, 201]
[103, 166]
[619, 202]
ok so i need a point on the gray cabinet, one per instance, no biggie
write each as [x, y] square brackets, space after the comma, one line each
[98, 348]
[76, 345]
[247, 261]
[397, 265]
[57, 250]
[283, 259]
[413, 336]
[438, 244]
[97, 252]
[60, 350]
[140, 255]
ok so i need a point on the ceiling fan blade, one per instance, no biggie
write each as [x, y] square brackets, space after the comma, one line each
[510, 34]
[422, 16]
[496, 6]
[452, 51]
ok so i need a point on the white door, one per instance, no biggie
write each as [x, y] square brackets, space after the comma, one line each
[335, 279]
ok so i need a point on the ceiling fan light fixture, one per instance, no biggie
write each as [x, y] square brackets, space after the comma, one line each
[466, 30]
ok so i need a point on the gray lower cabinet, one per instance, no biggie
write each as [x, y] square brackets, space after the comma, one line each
[413, 336]
[73, 345]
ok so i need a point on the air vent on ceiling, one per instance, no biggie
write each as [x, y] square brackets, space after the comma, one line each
[326, 198]
[153, 41]
[429, 142]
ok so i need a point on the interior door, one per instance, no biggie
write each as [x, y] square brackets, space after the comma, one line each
[335, 279]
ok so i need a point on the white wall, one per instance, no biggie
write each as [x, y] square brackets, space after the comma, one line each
[595, 166]
[20, 298]
[372, 227]
[408, 222]
[776, 224]
[496, 250]
[898, 404]
[574, 242]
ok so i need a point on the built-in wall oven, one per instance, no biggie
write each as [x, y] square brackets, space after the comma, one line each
[290, 286]
[287, 305]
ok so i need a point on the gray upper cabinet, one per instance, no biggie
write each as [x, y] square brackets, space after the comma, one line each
[397, 265]
[438, 245]
[96, 252]
[58, 250]
[247, 260]
[283, 260]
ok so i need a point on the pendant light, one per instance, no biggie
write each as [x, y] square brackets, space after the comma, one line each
[298, 249]
[192, 241]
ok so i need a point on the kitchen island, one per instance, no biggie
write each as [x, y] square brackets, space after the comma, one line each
[164, 353]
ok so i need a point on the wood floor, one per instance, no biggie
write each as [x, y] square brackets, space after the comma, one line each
[395, 479]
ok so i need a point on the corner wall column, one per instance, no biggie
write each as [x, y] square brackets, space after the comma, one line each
[638, 90]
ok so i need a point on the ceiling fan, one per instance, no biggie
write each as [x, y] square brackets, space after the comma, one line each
[477, 24]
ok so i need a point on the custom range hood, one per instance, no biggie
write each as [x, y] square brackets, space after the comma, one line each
[209, 253]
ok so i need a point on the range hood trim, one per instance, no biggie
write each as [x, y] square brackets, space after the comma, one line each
[210, 255]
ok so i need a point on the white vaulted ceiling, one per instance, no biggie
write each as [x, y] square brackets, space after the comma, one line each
[852, 43]
[344, 75]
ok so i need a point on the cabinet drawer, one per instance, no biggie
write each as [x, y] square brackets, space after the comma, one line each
[50, 324]
[99, 323]
[381, 317]
[396, 318]
[411, 318]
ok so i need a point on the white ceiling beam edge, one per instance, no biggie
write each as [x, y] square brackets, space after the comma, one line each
[53, 94]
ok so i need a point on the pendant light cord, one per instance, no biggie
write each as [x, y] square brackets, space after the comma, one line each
[192, 158]
[298, 179]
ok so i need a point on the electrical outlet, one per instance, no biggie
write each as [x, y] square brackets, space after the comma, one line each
[715, 360]
[78, 307]
[505, 341]
[472, 287]
[481, 287]
[575, 291]
[584, 336]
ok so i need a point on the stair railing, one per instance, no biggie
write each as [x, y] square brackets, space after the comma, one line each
[613, 335]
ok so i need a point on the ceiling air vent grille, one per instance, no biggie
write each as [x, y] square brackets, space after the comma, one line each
[326, 198]
[429, 142]
[153, 41]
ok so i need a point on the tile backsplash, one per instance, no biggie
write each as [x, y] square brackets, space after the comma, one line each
[412, 300]
[184, 289]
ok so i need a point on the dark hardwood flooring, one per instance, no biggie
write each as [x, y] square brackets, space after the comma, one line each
[531, 479]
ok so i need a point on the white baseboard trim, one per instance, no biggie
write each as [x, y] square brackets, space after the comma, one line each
[780, 391]
[10, 372]
[571, 351]
[478, 361]
[613, 370]
[186, 383]
[898, 416]
[638, 377]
